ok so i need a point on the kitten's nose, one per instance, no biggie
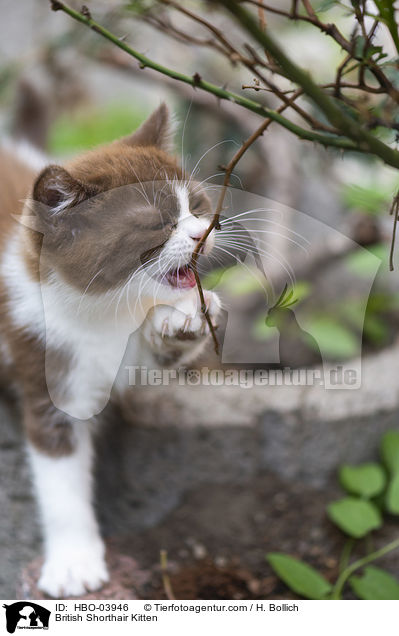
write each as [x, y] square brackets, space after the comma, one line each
[197, 235]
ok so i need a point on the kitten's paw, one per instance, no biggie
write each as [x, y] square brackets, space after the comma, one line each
[185, 320]
[74, 571]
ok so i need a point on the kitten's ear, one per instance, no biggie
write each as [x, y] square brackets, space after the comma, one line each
[58, 190]
[155, 131]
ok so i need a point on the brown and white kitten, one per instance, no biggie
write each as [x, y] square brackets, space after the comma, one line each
[100, 253]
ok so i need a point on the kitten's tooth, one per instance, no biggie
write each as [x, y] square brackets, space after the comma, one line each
[165, 328]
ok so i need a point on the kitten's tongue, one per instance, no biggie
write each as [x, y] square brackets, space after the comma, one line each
[182, 277]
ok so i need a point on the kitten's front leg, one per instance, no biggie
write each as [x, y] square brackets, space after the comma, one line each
[60, 452]
[177, 333]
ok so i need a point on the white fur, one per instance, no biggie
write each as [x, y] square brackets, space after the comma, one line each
[189, 230]
[25, 295]
[74, 550]
[94, 330]
[84, 328]
[89, 327]
[167, 321]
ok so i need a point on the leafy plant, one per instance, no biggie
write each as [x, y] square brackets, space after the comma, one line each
[334, 338]
[299, 576]
[366, 480]
[354, 516]
[362, 262]
[93, 126]
[373, 488]
[375, 584]
[345, 114]
[371, 200]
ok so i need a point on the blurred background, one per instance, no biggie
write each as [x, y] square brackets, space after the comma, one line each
[88, 92]
[228, 475]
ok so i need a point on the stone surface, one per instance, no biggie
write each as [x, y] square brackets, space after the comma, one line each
[181, 439]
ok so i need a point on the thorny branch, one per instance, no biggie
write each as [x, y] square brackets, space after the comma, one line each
[219, 207]
[346, 111]
[197, 82]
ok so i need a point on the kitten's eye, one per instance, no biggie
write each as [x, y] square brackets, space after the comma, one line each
[166, 226]
[199, 205]
[170, 226]
[195, 208]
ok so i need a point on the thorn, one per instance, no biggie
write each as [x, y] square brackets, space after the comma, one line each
[85, 12]
[55, 5]
[123, 38]
[197, 78]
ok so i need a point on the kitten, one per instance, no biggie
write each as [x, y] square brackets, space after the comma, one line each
[100, 252]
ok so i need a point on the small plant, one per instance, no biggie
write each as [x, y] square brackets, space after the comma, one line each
[372, 490]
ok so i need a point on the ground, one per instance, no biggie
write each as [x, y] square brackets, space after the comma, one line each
[216, 534]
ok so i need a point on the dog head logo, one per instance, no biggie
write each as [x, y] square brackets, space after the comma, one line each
[26, 615]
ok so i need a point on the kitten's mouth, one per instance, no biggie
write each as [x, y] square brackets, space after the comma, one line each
[180, 278]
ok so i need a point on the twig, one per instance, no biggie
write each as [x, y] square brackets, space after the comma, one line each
[332, 31]
[346, 132]
[205, 23]
[196, 81]
[203, 100]
[345, 574]
[337, 117]
[219, 207]
[234, 55]
[395, 211]
[261, 16]
[167, 586]
[180, 35]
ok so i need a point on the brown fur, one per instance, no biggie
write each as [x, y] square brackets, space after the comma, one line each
[106, 186]
[92, 223]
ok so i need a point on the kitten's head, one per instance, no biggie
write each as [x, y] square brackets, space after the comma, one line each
[123, 215]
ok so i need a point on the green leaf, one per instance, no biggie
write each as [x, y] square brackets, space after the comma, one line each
[373, 326]
[325, 6]
[333, 338]
[390, 451]
[300, 577]
[375, 585]
[237, 280]
[392, 495]
[366, 480]
[355, 517]
[372, 200]
[261, 331]
[363, 262]
[375, 329]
